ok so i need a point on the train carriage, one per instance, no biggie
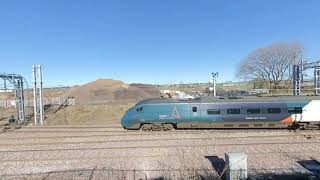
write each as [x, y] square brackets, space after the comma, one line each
[301, 112]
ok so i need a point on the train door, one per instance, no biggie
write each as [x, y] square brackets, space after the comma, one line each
[296, 113]
[195, 115]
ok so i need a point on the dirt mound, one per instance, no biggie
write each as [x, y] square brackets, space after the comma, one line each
[103, 101]
[88, 115]
[107, 91]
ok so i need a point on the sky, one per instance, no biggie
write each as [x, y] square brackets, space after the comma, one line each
[147, 41]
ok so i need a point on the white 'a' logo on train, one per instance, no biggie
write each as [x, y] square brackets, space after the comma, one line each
[175, 113]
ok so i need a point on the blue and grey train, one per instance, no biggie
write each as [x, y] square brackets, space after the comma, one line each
[301, 112]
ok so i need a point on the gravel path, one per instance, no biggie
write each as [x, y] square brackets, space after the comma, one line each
[87, 152]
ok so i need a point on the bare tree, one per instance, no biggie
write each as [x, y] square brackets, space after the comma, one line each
[271, 65]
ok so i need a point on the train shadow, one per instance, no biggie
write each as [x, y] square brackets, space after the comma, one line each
[218, 164]
[311, 165]
[273, 176]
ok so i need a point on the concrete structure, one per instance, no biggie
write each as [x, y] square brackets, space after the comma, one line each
[236, 166]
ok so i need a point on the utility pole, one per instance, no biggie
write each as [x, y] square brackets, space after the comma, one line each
[5, 85]
[317, 81]
[214, 82]
[297, 79]
[37, 95]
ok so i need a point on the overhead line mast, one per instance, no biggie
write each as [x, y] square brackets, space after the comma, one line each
[37, 94]
[298, 77]
[17, 81]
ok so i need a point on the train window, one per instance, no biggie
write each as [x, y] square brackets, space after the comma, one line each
[295, 110]
[274, 110]
[233, 111]
[194, 109]
[140, 109]
[213, 111]
[253, 111]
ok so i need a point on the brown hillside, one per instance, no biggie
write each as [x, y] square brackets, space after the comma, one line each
[107, 91]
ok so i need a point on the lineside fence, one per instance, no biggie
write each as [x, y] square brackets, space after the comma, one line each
[11, 103]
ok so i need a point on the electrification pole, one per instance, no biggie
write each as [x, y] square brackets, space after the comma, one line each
[37, 94]
[317, 81]
[214, 81]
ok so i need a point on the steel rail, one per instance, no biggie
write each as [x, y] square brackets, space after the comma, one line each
[162, 139]
[159, 147]
[150, 156]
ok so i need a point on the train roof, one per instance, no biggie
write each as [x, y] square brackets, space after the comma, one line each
[210, 99]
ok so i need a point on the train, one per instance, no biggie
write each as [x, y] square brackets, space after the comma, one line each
[296, 112]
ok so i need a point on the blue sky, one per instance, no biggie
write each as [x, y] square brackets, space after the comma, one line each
[147, 41]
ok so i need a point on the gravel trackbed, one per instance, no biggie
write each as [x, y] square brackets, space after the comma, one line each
[109, 152]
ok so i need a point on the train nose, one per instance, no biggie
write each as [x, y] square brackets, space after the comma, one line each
[124, 121]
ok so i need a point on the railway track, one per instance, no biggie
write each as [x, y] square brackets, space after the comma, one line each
[161, 146]
[39, 149]
[73, 130]
[146, 156]
[87, 134]
[69, 135]
[164, 139]
[74, 127]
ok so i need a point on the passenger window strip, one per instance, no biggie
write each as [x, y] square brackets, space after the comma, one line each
[233, 111]
[274, 110]
[254, 111]
[295, 110]
[213, 111]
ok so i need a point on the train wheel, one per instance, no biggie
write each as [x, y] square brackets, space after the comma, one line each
[168, 127]
[146, 127]
[157, 127]
[303, 126]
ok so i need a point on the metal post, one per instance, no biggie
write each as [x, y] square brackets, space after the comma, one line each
[34, 95]
[297, 80]
[317, 81]
[20, 95]
[214, 87]
[41, 96]
[5, 85]
[38, 95]
[214, 81]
